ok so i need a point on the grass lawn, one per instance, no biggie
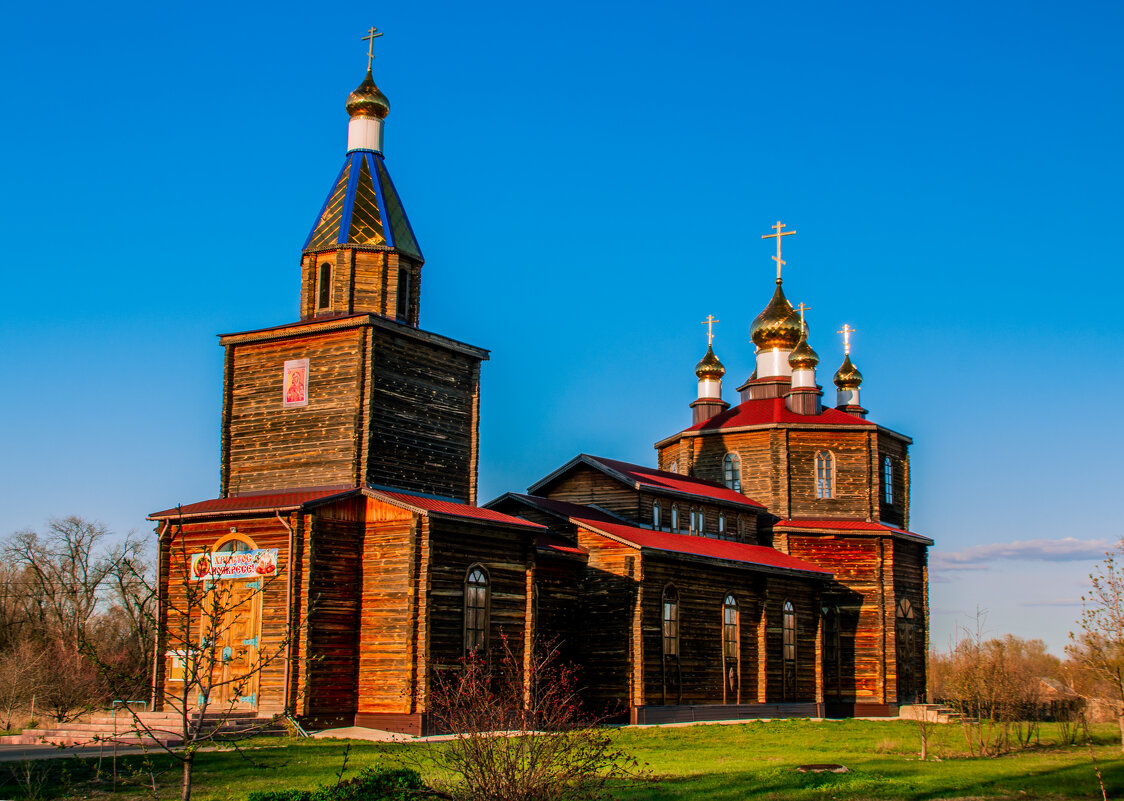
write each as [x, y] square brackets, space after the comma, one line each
[755, 760]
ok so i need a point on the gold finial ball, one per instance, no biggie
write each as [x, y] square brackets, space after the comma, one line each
[848, 376]
[803, 357]
[778, 326]
[710, 367]
[367, 100]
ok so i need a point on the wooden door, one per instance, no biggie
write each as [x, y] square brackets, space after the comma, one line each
[238, 639]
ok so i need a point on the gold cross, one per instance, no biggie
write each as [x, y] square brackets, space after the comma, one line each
[709, 323]
[803, 309]
[372, 34]
[846, 331]
[779, 233]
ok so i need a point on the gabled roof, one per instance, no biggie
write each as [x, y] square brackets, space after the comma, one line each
[829, 526]
[285, 501]
[291, 500]
[563, 510]
[363, 208]
[770, 411]
[759, 557]
[650, 479]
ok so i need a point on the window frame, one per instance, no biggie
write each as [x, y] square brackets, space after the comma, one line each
[479, 634]
[669, 619]
[402, 299]
[675, 518]
[823, 473]
[324, 287]
[732, 471]
[887, 481]
[656, 515]
[788, 632]
[731, 630]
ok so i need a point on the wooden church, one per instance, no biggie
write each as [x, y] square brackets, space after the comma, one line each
[765, 567]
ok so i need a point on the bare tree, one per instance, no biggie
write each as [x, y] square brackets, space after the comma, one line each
[1099, 645]
[201, 628]
[22, 674]
[521, 736]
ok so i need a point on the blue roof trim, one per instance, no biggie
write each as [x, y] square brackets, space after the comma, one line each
[405, 216]
[387, 228]
[349, 198]
[324, 208]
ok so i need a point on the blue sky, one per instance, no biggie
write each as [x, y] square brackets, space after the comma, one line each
[588, 181]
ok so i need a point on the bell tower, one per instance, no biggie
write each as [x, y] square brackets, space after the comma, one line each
[362, 255]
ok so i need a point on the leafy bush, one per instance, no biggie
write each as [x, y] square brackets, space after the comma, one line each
[279, 795]
[372, 784]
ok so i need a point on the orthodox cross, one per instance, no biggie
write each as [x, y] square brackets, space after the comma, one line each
[846, 331]
[779, 233]
[372, 34]
[803, 309]
[709, 323]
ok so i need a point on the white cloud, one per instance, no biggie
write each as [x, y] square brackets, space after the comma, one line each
[981, 557]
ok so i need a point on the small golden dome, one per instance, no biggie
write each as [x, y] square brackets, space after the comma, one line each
[803, 357]
[710, 367]
[367, 100]
[848, 376]
[778, 326]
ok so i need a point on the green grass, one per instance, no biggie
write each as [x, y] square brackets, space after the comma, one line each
[748, 761]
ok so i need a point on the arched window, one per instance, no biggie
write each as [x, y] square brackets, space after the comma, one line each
[670, 621]
[673, 467]
[887, 480]
[656, 515]
[732, 471]
[475, 609]
[825, 475]
[721, 525]
[702, 522]
[730, 627]
[675, 518]
[788, 624]
[324, 287]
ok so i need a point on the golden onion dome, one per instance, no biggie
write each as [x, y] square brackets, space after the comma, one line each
[710, 367]
[803, 357]
[848, 376]
[367, 100]
[778, 326]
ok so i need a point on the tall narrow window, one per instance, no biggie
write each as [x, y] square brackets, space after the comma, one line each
[673, 467]
[675, 518]
[721, 525]
[825, 475]
[656, 515]
[702, 522]
[476, 609]
[732, 471]
[730, 627]
[324, 288]
[887, 480]
[670, 621]
[403, 294]
[789, 626]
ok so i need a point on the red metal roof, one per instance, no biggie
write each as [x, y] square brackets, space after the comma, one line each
[239, 504]
[441, 506]
[651, 478]
[550, 542]
[772, 410]
[845, 525]
[701, 546]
